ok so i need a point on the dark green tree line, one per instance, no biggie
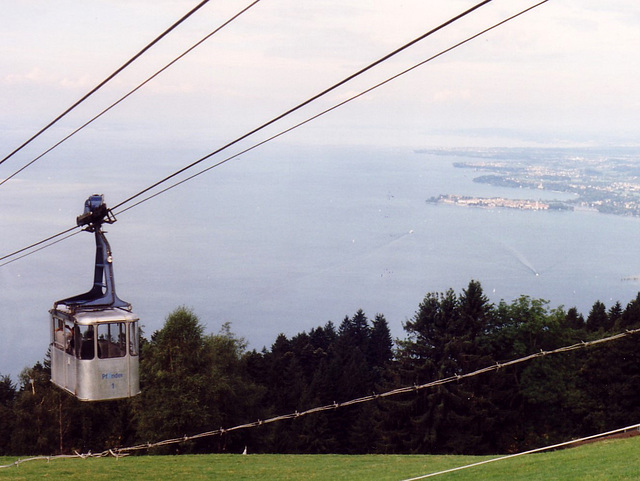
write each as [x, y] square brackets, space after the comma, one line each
[194, 382]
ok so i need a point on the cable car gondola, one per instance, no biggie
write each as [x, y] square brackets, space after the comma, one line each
[95, 336]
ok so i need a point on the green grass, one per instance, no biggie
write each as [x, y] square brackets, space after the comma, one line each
[607, 460]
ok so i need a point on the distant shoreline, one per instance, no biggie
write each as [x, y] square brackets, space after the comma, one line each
[605, 183]
[498, 202]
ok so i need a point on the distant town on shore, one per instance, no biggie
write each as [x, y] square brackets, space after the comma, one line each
[601, 180]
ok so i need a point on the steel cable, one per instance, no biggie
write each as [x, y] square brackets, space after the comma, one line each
[299, 106]
[330, 109]
[127, 95]
[101, 84]
[308, 101]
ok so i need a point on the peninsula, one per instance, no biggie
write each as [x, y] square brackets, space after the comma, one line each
[605, 181]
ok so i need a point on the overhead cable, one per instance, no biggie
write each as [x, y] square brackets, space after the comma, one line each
[29, 248]
[308, 101]
[101, 84]
[128, 200]
[182, 55]
[326, 111]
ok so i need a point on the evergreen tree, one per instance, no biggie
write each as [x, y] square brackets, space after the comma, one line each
[598, 320]
[574, 319]
[286, 386]
[380, 352]
[631, 315]
[7, 399]
[426, 355]
[610, 377]
[323, 337]
[354, 382]
[318, 432]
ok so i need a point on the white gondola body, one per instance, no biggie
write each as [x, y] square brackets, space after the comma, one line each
[102, 366]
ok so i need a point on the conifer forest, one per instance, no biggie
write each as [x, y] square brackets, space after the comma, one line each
[194, 382]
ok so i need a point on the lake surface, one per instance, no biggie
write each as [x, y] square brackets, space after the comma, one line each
[288, 239]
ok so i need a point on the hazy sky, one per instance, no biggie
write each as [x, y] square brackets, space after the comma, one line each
[563, 74]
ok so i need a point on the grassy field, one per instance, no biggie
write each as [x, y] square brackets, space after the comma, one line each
[606, 460]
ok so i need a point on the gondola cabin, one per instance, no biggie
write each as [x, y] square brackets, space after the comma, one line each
[95, 336]
[94, 354]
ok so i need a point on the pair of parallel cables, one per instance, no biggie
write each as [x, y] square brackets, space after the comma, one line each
[95, 89]
[120, 207]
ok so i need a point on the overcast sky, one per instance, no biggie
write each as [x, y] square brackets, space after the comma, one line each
[564, 74]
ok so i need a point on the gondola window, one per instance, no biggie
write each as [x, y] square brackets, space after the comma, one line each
[63, 335]
[86, 346]
[134, 340]
[112, 340]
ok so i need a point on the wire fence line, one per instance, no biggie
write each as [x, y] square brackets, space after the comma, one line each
[125, 451]
[374, 396]
[104, 454]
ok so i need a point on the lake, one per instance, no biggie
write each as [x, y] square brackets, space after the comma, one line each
[289, 238]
